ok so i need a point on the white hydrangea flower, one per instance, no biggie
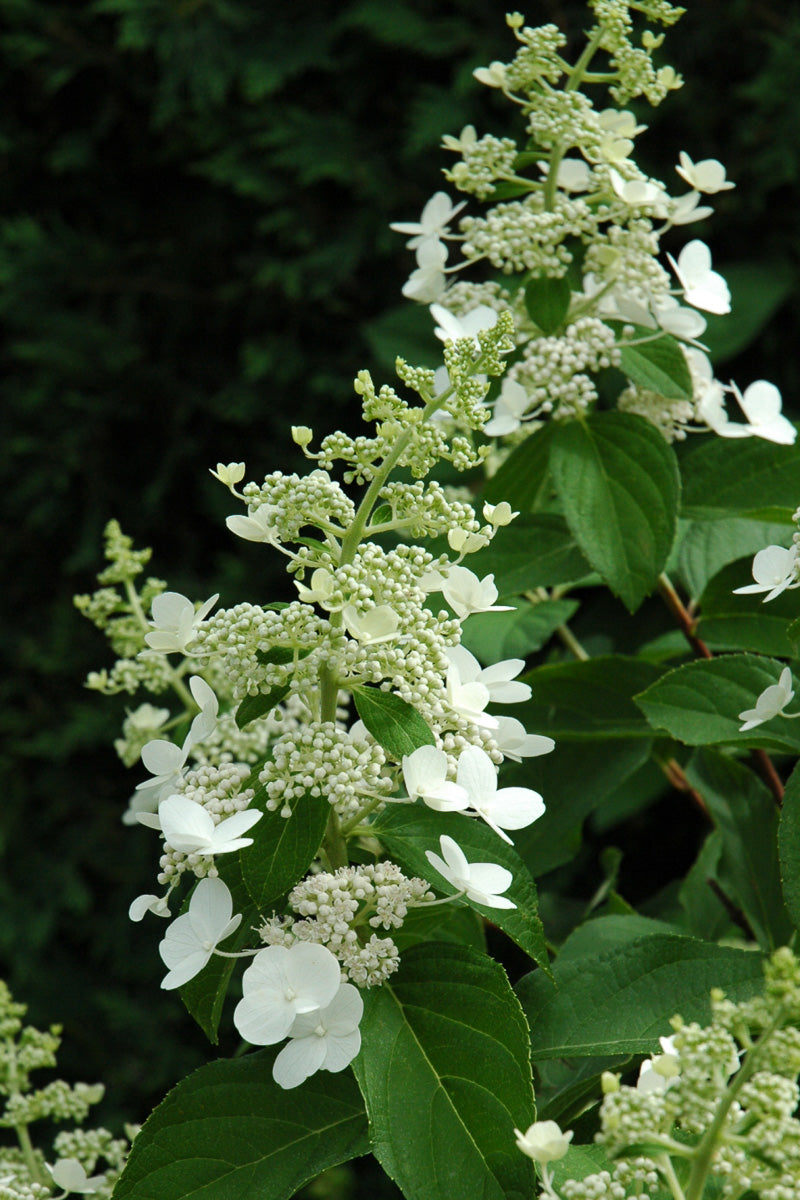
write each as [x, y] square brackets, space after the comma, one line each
[282, 983]
[191, 939]
[205, 722]
[774, 570]
[322, 587]
[482, 882]
[450, 328]
[509, 409]
[706, 176]
[467, 594]
[637, 193]
[257, 527]
[427, 283]
[434, 223]
[148, 903]
[325, 1040]
[683, 210]
[658, 1073]
[493, 76]
[499, 514]
[702, 287]
[190, 829]
[468, 699]
[175, 622]
[165, 762]
[761, 404]
[425, 776]
[544, 1142]
[499, 678]
[229, 473]
[500, 808]
[770, 703]
[514, 742]
[69, 1174]
[379, 624]
[573, 175]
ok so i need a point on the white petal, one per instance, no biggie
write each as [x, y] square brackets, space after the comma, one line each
[298, 1059]
[186, 825]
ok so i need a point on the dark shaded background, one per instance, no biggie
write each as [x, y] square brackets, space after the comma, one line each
[195, 254]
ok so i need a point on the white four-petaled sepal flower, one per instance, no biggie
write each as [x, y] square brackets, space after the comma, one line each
[775, 570]
[146, 904]
[761, 404]
[637, 192]
[702, 287]
[498, 678]
[707, 176]
[322, 587]
[325, 1040]
[256, 527]
[509, 409]
[175, 622]
[425, 776]
[433, 224]
[427, 282]
[280, 984]
[482, 882]
[450, 328]
[467, 594]
[499, 514]
[658, 1073]
[770, 703]
[493, 76]
[69, 1174]
[190, 829]
[514, 742]
[544, 1142]
[229, 473]
[500, 808]
[379, 624]
[192, 938]
[205, 722]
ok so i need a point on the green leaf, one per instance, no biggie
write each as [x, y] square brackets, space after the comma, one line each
[535, 550]
[408, 831]
[588, 700]
[524, 478]
[725, 477]
[618, 482]
[699, 703]
[758, 289]
[706, 915]
[708, 546]
[743, 810]
[659, 365]
[619, 1001]
[789, 846]
[731, 622]
[547, 301]
[283, 847]
[280, 655]
[260, 705]
[516, 634]
[393, 722]
[228, 1130]
[580, 1161]
[445, 1076]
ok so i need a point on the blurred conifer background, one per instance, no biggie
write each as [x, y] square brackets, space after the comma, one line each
[195, 254]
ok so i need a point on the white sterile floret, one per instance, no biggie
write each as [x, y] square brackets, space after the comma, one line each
[482, 882]
[493, 76]
[436, 217]
[468, 699]
[770, 703]
[205, 722]
[761, 404]
[322, 588]
[637, 192]
[509, 409]
[280, 984]
[499, 514]
[702, 287]
[450, 328]
[427, 282]
[500, 808]
[684, 210]
[514, 742]
[425, 776]
[774, 570]
[69, 1174]
[573, 175]
[379, 624]
[543, 1141]
[467, 594]
[658, 1073]
[175, 622]
[499, 678]
[146, 904]
[706, 176]
[192, 938]
[325, 1040]
[229, 473]
[674, 318]
[190, 829]
[257, 527]
[165, 762]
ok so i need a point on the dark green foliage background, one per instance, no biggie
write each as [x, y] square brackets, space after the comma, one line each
[195, 254]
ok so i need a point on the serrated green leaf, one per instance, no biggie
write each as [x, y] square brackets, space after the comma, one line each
[495, 636]
[743, 810]
[699, 703]
[547, 302]
[659, 365]
[620, 1001]
[393, 722]
[708, 546]
[535, 550]
[524, 478]
[283, 848]
[445, 1076]
[734, 622]
[588, 700]
[409, 831]
[260, 705]
[758, 289]
[789, 846]
[228, 1130]
[735, 477]
[618, 482]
